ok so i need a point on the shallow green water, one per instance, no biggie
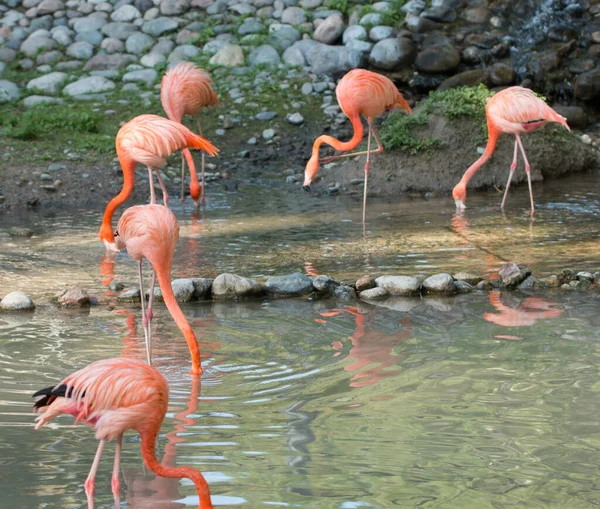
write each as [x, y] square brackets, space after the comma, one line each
[472, 402]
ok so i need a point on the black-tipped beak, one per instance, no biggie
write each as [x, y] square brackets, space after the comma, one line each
[306, 188]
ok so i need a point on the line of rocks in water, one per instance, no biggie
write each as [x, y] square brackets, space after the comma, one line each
[232, 287]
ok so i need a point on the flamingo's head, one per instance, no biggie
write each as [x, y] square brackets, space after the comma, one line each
[459, 194]
[312, 167]
[108, 238]
[195, 190]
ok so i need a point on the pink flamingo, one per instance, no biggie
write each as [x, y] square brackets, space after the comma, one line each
[149, 140]
[515, 110]
[151, 232]
[185, 90]
[358, 93]
[112, 396]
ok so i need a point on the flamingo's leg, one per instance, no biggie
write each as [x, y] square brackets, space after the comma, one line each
[149, 313]
[202, 191]
[182, 177]
[89, 485]
[513, 167]
[151, 179]
[527, 171]
[115, 483]
[378, 150]
[163, 188]
[367, 165]
[144, 316]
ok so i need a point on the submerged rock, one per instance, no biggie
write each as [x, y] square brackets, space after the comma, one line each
[399, 285]
[292, 285]
[17, 301]
[467, 277]
[231, 286]
[74, 298]
[132, 295]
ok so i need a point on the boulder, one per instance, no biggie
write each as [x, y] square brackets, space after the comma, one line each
[89, 85]
[74, 297]
[392, 54]
[587, 85]
[230, 55]
[465, 79]
[437, 59]
[440, 284]
[377, 293]
[325, 284]
[126, 13]
[33, 45]
[33, 100]
[146, 76]
[17, 301]
[513, 274]
[365, 283]
[281, 37]
[502, 75]
[330, 30]
[9, 91]
[159, 26]
[344, 293]
[49, 83]
[103, 62]
[467, 277]
[118, 30]
[138, 43]
[265, 54]
[293, 285]
[80, 50]
[202, 288]
[174, 7]
[231, 287]
[399, 285]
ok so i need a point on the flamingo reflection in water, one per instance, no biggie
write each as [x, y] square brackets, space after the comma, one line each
[526, 313]
[372, 349]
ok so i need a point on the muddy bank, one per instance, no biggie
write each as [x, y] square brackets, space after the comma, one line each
[552, 153]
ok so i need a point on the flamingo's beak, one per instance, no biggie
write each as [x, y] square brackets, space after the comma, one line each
[460, 205]
[197, 203]
[306, 187]
[111, 246]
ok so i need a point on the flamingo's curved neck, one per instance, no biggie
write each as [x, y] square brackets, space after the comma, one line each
[163, 274]
[151, 461]
[489, 150]
[342, 146]
[128, 166]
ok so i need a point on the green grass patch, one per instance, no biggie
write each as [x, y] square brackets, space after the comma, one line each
[338, 5]
[397, 133]
[458, 102]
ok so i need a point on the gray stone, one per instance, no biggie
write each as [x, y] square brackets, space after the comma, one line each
[89, 85]
[502, 75]
[344, 293]
[576, 116]
[325, 284]
[88, 24]
[293, 16]
[152, 59]
[377, 293]
[111, 45]
[529, 283]
[121, 31]
[437, 59]
[567, 275]
[381, 32]
[185, 53]
[441, 14]
[212, 47]
[440, 284]
[365, 283]
[94, 37]
[19, 231]
[393, 54]
[325, 59]
[462, 287]
[70, 65]
[360, 46]
[126, 13]
[159, 26]
[33, 45]
[399, 285]
[330, 30]
[146, 76]
[132, 295]
[265, 54]
[80, 50]
[467, 277]
[62, 37]
[266, 115]
[217, 7]
[295, 118]
[202, 288]
[268, 134]
[354, 32]
[33, 100]
[513, 274]
[414, 6]
[9, 91]
[17, 301]
[116, 61]
[231, 287]
[293, 285]
[49, 83]
[281, 37]
[250, 26]
[584, 275]
[230, 55]
[372, 18]
[470, 78]
[74, 297]
[183, 289]
[293, 56]
[138, 43]
[242, 9]
[7, 54]
[163, 46]
[116, 286]
[174, 7]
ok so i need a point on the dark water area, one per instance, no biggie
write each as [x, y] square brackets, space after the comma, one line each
[480, 400]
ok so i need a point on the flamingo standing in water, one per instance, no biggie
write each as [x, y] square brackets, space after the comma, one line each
[113, 396]
[151, 232]
[149, 140]
[185, 90]
[514, 110]
[358, 93]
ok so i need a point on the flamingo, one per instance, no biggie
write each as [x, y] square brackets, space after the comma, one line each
[185, 90]
[149, 140]
[151, 232]
[112, 396]
[514, 110]
[358, 93]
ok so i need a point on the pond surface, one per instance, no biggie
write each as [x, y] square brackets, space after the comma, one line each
[482, 400]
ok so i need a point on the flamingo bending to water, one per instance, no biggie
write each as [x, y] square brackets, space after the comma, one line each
[514, 110]
[185, 90]
[149, 140]
[113, 396]
[358, 93]
[151, 232]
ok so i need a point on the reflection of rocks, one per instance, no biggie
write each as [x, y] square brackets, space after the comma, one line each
[299, 434]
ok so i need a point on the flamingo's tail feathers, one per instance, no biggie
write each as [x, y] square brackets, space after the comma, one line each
[200, 143]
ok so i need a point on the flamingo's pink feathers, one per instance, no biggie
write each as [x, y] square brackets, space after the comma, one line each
[185, 90]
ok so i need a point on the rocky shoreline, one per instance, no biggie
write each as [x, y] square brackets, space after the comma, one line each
[382, 290]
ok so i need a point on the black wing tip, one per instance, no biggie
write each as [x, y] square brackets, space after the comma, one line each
[48, 394]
